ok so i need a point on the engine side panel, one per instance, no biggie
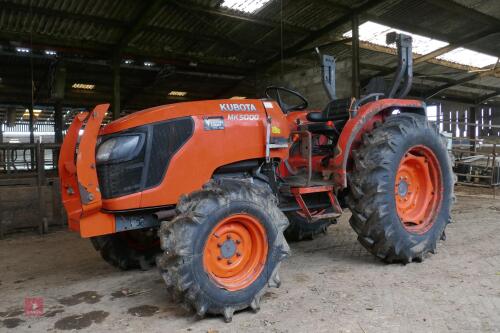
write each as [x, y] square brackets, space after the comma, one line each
[225, 131]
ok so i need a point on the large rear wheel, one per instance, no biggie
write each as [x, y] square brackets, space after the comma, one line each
[224, 247]
[401, 189]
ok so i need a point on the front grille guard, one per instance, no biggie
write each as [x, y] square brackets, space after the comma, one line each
[80, 192]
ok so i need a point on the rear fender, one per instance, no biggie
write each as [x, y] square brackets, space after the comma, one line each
[363, 122]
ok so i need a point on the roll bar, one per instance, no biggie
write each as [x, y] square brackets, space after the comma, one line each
[404, 72]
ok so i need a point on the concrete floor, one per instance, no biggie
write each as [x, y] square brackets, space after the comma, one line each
[329, 285]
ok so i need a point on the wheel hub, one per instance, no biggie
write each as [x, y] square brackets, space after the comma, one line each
[228, 249]
[403, 188]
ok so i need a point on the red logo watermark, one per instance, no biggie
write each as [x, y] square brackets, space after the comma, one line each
[33, 306]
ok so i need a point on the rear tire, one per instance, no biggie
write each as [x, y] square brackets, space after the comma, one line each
[129, 249]
[196, 266]
[384, 206]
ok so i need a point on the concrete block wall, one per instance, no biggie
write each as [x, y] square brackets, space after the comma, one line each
[308, 82]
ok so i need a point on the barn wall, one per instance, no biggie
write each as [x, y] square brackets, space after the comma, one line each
[21, 206]
[308, 82]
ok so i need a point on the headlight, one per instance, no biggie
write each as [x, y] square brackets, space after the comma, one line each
[118, 148]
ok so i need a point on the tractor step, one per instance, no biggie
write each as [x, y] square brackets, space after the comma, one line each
[298, 193]
[300, 181]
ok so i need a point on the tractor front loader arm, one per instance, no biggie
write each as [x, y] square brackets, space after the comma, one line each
[80, 192]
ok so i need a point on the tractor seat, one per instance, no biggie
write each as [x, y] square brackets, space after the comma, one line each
[324, 127]
[335, 110]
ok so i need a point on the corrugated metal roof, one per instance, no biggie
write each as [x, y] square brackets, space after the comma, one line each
[182, 32]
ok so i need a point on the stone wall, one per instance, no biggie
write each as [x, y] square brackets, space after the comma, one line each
[308, 82]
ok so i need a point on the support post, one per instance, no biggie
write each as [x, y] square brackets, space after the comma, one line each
[438, 116]
[31, 124]
[472, 128]
[32, 136]
[40, 173]
[116, 87]
[355, 56]
[58, 123]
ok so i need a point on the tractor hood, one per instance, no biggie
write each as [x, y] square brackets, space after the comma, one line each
[221, 107]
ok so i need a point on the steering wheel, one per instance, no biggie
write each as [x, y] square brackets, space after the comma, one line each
[273, 92]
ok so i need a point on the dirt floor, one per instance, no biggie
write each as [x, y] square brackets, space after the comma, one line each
[330, 284]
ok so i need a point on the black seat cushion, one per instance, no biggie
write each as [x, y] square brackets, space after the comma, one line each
[335, 110]
[325, 128]
[315, 116]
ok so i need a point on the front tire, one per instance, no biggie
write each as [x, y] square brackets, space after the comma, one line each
[401, 189]
[224, 247]
[129, 249]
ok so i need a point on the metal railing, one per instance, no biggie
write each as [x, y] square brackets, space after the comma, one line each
[476, 162]
[29, 170]
[28, 160]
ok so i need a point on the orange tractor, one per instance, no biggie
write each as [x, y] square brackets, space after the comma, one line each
[211, 190]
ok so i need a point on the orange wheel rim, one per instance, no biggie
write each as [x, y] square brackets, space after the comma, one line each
[418, 189]
[235, 252]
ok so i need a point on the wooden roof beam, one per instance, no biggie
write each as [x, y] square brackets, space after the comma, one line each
[466, 12]
[469, 78]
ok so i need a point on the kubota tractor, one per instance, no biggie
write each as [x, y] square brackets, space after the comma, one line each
[214, 185]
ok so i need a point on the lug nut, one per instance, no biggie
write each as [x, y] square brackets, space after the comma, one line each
[219, 245]
[228, 236]
[238, 241]
[238, 254]
[229, 262]
[219, 258]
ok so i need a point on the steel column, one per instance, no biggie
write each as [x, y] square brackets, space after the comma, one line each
[116, 88]
[31, 124]
[472, 128]
[355, 56]
[58, 122]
